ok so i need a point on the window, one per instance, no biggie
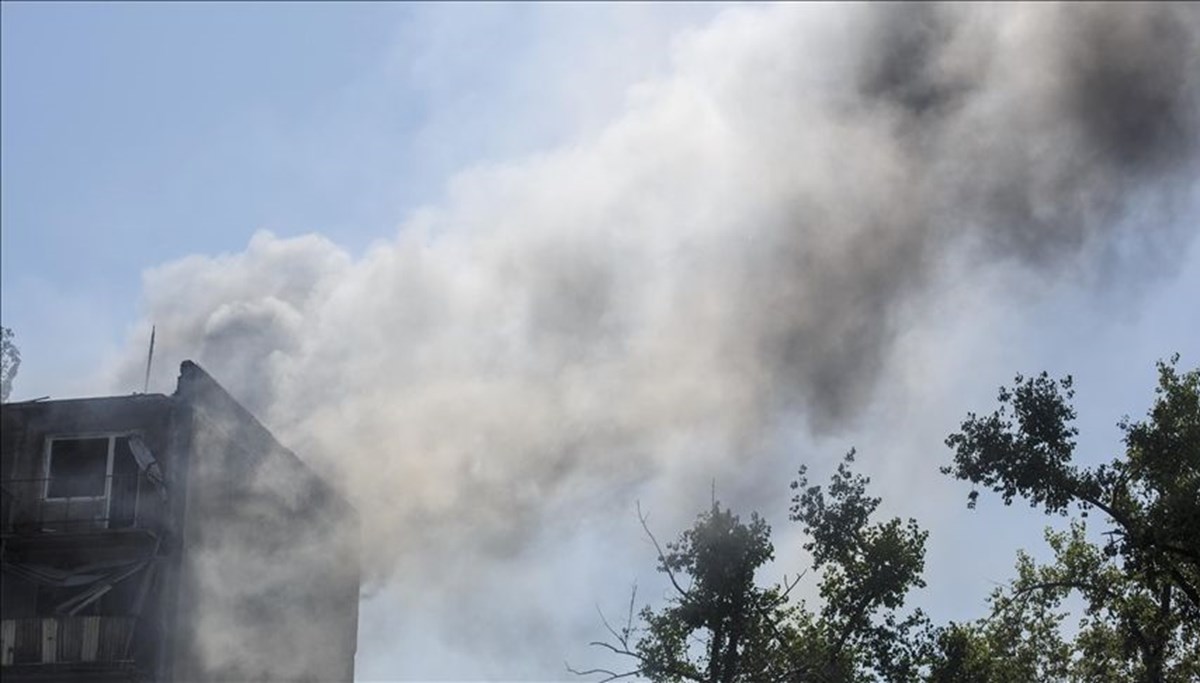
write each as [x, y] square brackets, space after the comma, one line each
[83, 467]
[78, 468]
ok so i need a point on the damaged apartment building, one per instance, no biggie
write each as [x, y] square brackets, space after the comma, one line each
[169, 538]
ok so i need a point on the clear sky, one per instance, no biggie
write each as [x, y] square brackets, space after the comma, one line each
[436, 182]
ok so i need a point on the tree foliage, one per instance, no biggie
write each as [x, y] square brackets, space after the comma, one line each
[721, 605]
[10, 362]
[1137, 581]
[721, 626]
[1141, 585]
[867, 571]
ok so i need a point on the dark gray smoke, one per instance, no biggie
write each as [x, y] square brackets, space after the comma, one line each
[735, 251]
[1034, 131]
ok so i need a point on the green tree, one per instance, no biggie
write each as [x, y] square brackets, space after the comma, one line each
[1020, 641]
[867, 570]
[1137, 584]
[1140, 586]
[10, 362]
[721, 626]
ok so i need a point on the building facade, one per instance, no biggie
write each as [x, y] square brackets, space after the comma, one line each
[169, 538]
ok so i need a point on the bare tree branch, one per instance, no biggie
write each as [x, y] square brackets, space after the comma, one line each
[620, 639]
[788, 587]
[662, 557]
[608, 675]
[629, 614]
[615, 649]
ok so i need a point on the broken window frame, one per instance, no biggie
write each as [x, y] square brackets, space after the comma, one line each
[48, 462]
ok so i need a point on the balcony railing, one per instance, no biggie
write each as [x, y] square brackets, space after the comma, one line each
[129, 502]
[65, 640]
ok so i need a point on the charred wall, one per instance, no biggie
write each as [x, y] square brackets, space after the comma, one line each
[237, 563]
[269, 580]
[81, 596]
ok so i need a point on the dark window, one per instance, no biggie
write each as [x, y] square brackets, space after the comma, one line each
[78, 468]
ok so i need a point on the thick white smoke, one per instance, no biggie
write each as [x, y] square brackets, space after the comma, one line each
[733, 252]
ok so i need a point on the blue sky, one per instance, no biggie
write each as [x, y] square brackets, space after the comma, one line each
[445, 185]
[135, 134]
[140, 133]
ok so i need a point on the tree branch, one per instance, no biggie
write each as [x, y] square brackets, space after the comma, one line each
[852, 622]
[620, 638]
[608, 675]
[615, 649]
[1184, 585]
[658, 549]
[1190, 554]
[788, 587]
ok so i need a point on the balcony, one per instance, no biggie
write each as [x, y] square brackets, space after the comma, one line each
[130, 507]
[43, 642]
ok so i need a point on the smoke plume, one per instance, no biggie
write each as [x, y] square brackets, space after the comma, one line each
[733, 252]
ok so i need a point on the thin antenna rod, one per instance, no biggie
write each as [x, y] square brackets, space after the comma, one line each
[149, 360]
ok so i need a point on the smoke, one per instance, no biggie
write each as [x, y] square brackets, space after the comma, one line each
[733, 252]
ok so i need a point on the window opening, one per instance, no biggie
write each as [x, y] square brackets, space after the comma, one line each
[95, 477]
[78, 468]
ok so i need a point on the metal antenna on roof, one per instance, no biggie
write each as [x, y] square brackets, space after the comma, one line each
[149, 360]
